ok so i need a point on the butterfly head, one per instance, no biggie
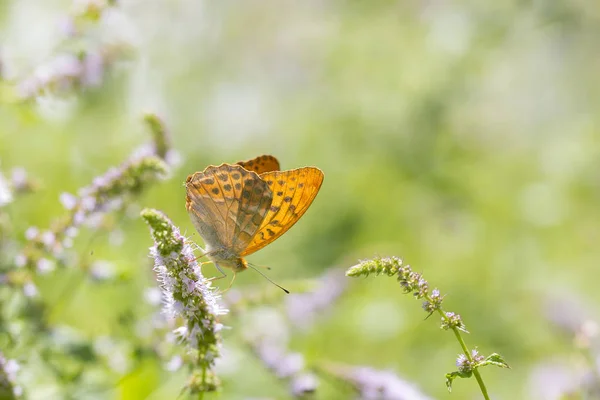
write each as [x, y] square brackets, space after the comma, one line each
[236, 264]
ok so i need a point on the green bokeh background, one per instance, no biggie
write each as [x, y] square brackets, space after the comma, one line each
[461, 136]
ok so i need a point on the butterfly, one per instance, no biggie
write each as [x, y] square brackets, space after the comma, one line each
[240, 208]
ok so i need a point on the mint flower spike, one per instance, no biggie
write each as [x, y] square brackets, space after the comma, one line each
[107, 193]
[8, 388]
[379, 266]
[189, 295]
[160, 135]
[371, 383]
[413, 282]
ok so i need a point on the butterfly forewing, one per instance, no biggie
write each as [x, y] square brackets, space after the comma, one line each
[219, 197]
[255, 201]
[293, 192]
[261, 164]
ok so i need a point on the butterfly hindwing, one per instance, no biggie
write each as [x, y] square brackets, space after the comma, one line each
[261, 164]
[293, 192]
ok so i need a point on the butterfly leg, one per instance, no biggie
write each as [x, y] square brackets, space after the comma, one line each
[230, 283]
[202, 255]
[215, 278]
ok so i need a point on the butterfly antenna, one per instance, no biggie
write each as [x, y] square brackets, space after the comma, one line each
[267, 278]
[260, 266]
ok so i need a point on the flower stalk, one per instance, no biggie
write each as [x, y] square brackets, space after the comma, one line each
[189, 296]
[413, 282]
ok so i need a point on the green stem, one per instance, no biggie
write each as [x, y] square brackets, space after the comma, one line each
[469, 357]
[201, 394]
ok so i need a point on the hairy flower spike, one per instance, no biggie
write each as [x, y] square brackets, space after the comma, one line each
[374, 384]
[286, 366]
[107, 193]
[413, 282]
[160, 135]
[434, 302]
[189, 295]
[388, 266]
[453, 320]
[77, 68]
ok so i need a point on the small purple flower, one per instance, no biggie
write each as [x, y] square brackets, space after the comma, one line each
[6, 195]
[71, 232]
[28, 88]
[48, 238]
[68, 200]
[88, 203]
[31, 233]
[290, 364]
[102, 270]
[30, 290]
[67, 27]
[463, 364]
[19, 179]
[303, 384]
[20, 260]
[8, 376]
[373, 384]
[66, 66]
[45, 266]
[174, 364]
[304, 308]
[93, 69]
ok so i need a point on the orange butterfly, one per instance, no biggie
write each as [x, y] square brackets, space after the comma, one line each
[240, 208]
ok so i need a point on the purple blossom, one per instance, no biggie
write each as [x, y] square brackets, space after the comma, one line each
[6, 195]
[304, 308]
[374, 384]
[303, 384]
[8, 378]
[45, 266]
[102, 270]
[19, 180]
[93, 69]
[555, 380]
[288, 366]
[31, 233]
[20, 260]
[48, 238]
[67, 27]
[174, 364]
[30, 290]
[68, 200]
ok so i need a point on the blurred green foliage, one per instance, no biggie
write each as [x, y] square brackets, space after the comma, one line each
[460, 136]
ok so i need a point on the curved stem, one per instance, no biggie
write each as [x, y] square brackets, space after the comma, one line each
[469, 357]
[475, 370]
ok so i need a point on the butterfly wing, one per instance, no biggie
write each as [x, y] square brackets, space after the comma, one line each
[293, 192]
[227, 205]
[261, 164]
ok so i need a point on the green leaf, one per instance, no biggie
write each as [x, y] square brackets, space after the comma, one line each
[493, 359]
[450, 377]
